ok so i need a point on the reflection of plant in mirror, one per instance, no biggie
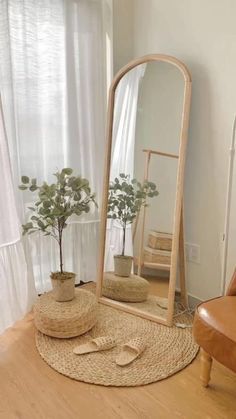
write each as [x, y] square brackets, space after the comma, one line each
[56, 203]
[125, 199]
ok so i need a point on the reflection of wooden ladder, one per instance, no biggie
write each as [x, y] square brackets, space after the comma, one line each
[180, 246]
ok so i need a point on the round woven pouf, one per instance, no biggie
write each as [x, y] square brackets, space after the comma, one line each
[169, 349]
[132, 289]
[65, 319]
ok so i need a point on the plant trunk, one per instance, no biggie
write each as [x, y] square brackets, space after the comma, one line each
[123, 247]
[60, 247]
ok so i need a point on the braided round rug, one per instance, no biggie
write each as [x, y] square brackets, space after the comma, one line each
[169, 349]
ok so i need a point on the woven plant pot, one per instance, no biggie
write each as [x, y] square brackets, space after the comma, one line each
[123, 265]
[63, 286]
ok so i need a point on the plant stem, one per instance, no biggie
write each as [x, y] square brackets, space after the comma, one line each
[124, 232]
[60, 230]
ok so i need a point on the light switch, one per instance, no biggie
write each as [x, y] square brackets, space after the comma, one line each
[192, 252]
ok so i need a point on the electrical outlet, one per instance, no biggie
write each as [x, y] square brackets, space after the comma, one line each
[192, 252]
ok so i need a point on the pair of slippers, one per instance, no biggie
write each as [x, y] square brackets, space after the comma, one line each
[129, 352]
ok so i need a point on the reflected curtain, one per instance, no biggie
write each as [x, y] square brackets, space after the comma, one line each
[53, 84]
[123, 143]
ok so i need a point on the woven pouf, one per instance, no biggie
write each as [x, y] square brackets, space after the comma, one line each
[133, 289]
[65, 319]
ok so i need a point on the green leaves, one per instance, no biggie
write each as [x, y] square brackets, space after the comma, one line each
[27, 227]
[25, 179]
[66, 171]
[28, 184]
[126, 197]
[33, 188]
[41, 224]
[56, 202]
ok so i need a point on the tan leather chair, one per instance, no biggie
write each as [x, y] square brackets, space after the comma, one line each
[214, 329]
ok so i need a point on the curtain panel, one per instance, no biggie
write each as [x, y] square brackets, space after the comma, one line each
[53, 82]
[123, 145]
[17, 291]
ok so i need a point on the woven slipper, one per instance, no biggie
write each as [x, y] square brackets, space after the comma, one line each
[102, 343]
[130, 351]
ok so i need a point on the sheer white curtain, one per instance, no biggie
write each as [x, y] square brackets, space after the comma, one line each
[53, 85]
[17, 291]
[123, 137]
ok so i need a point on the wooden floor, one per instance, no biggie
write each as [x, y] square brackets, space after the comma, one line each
[158, 286]
[29, 389]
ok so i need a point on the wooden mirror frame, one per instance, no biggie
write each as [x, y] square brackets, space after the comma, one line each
[178, 233]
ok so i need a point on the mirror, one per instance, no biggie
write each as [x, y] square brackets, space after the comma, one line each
[142, 237]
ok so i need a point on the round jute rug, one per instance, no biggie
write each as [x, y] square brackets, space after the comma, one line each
[169, 349]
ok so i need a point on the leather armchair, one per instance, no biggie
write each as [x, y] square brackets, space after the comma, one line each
[214, 329]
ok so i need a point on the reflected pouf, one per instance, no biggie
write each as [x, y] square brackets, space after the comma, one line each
[132, 289]
[65, 319]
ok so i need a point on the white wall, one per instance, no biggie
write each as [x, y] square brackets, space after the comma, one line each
[203, 35]
[123, 19]
[158, 128]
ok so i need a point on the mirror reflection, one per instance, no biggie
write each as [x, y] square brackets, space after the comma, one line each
[143, 180]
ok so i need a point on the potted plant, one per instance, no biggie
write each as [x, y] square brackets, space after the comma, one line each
[56, 202]
[125, 199]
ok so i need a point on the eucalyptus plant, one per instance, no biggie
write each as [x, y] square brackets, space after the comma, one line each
[125, 198]
[55, 203]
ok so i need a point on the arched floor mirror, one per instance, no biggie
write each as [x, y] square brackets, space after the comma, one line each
[142, 221]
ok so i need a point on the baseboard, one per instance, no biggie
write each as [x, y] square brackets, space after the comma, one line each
[192, 300]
